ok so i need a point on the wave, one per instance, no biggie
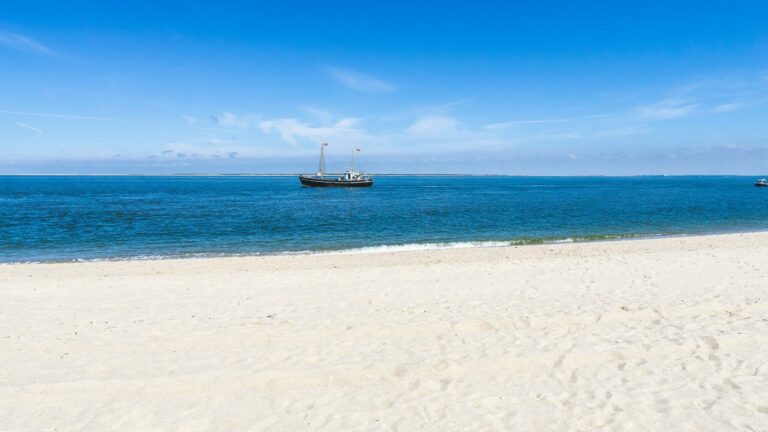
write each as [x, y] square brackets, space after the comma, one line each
[417, 247]
[484, 244]
[406, 247]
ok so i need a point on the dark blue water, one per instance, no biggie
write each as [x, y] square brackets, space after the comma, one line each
[73, 218]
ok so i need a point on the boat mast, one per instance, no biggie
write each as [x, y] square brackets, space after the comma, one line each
[352, 167]
[322, 158]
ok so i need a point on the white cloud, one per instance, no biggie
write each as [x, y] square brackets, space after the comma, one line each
[61, 116]
[292, 130]
[508, 124]
[214, 148]
[37, 131]
[347, 123]
[360, 82]
[191, 121]
[557, 136]
[440, 109]
[621, 131]
[666, 110]
[727, 107]
[433, 126]
[504, 125]
[231, 120]
[23, 43]
[497, 126]
[711, 95]
[320, 114]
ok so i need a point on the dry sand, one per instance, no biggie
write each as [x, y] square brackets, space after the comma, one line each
[663, 334]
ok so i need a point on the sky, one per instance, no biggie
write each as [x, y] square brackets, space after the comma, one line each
[519, 88]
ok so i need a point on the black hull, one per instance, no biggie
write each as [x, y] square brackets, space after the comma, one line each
[315, 182]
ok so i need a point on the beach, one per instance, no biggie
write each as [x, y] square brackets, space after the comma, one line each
[655, 334]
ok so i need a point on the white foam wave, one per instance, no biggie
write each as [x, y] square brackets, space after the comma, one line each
[358, 250]
[420, 247]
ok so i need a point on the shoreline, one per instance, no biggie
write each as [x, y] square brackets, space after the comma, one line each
[391, 248]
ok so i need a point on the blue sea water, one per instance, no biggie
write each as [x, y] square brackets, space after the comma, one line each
[111, 217]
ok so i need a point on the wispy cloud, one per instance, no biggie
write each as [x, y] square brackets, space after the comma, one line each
[666, 110]
[319, 114]
[621, 132]
[23, 125]
[508, 124]
[292, 130]
[359, 81]
[441, 108]
[61, 116]
[433, 126]
[728, 107]
[191, 121]
[23, 43]
[708, 95]
[232, 120]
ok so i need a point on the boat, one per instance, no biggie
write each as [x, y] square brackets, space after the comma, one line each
[350, 178]
[761, 183]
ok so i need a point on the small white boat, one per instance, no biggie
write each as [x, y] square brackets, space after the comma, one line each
[761, 183]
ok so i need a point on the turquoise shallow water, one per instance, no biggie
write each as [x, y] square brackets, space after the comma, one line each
[83, 218]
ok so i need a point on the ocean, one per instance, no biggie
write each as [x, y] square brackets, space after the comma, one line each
[74, 218]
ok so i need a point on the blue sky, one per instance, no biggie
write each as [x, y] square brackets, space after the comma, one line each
[579, 87]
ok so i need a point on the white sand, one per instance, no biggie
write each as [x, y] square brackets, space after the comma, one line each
[666, 334]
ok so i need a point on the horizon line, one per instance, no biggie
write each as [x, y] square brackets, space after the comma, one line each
[371, 174]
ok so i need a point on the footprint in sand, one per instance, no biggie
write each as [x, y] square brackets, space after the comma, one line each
[711, 342]
[441, 366]
[414, 385]
[716, 360]
[400, 371]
